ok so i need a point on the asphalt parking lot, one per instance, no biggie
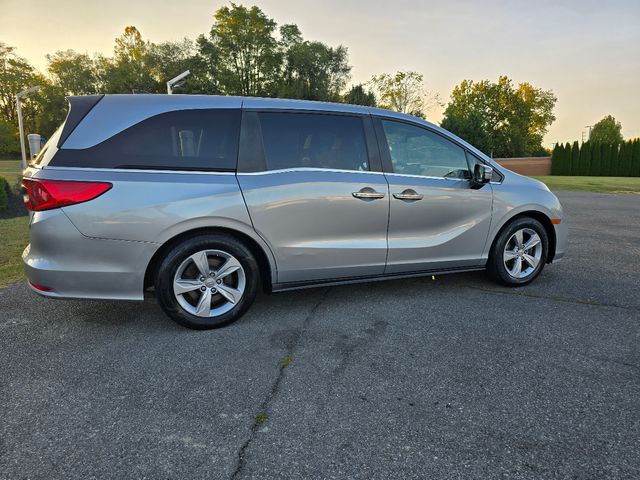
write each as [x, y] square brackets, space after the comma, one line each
[452, 378]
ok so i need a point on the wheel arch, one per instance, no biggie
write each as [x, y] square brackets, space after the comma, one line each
[265, 263]
[541, 217]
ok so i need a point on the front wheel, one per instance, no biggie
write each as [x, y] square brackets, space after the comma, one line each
[207, 282]
[519, 253]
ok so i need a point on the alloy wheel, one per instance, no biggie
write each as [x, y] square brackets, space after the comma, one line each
[522, 253]
[209, 283]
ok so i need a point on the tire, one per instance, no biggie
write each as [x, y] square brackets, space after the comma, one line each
[505, 253]
[229, 291]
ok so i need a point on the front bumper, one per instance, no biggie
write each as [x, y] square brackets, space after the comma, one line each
[562, 239]
[72, 265]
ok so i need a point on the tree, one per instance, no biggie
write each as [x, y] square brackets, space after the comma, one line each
[565, 164]
[635, 170]
[404, 92]
[241, 52]
[605, 168]
[73, 72]
[607, 130]
[561, 159]
[470, 125]
[501, 119]
[357, 95]
[584, 165]
[615, 160]
[596, 159]
[51, 109]
[569, 158]
[16, 74]
[167, 60]
[311, 70]
[9, 139]
[575, 159]
[540, 104]
[128, 71]
[556, 159]
[626, 164]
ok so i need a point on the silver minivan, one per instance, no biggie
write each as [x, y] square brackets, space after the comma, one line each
[206, 199]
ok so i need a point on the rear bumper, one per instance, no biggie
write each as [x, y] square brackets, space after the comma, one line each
[72, 265]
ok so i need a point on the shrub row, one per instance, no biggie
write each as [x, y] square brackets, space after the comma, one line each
[596, 159]
[4, 194]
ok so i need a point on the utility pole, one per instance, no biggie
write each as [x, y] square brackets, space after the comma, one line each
[177, 81]
[589, 127]
[21, 94]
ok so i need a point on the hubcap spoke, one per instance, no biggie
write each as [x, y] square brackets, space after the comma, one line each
[183, 286]
[202, 263]
[509, 255]
[204, 304]
[518, 238]
[231, 294]
[533, 261]
[230, 266]
[517, 267]
[532, 242]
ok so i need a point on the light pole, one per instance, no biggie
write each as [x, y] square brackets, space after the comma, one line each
[21, 94]
[176, 81]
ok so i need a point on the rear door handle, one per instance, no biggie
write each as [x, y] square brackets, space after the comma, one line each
[408, 194]
[367, 193]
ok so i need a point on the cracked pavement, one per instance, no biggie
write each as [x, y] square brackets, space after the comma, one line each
[452, 378]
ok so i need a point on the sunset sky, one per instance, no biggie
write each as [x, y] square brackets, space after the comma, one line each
[587, 52]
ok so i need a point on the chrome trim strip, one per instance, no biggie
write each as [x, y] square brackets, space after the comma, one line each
[139, 170]
[309, 169]
[389, 174]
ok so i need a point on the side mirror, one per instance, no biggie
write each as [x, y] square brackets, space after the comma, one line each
[482, 174]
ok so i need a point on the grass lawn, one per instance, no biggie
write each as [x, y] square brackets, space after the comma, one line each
[593, 184]
[14, 237]
[10, 169]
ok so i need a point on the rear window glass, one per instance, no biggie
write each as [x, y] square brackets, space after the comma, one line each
[180, 140]
[308, 140]
[47, 150]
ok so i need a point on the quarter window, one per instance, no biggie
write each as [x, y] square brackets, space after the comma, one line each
[299, 140]
[180, 140]
[418, 151]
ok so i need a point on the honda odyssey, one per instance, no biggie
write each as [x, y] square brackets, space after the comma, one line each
[206, 199]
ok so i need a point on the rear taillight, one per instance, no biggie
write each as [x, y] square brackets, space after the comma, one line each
[47, 194]
[42, 288]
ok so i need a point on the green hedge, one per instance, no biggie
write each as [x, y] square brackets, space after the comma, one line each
[594, 159]
[4, 194]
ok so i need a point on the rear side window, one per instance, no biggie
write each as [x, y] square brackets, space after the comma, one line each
[179, 140]
[309, 140]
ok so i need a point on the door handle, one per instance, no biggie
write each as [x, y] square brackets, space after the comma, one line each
[367, 193]
[408, 194]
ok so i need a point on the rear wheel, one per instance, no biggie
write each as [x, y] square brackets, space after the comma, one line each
[519, 253]
[207, 281]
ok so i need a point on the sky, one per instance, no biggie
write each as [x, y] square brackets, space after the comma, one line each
[587, 52]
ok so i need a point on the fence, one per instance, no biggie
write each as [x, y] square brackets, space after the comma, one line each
[530, 166]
